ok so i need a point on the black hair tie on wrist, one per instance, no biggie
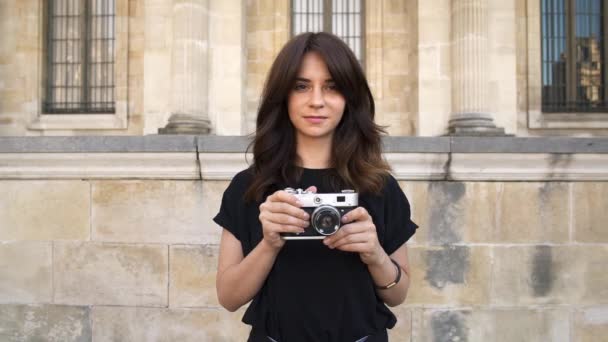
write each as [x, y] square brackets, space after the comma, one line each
[394, 281]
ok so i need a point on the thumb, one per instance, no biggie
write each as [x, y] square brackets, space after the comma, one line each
[312, 189]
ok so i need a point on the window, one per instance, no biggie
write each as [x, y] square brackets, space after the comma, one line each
[344, 18]
[80, 57]
[573, 56]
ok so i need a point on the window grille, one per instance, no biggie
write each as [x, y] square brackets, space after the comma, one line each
[573, 56]
[80, 57]
[344, 18]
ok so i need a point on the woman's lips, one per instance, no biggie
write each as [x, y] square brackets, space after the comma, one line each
[315, 119]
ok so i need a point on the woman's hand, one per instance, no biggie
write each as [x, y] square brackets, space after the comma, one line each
[358, 234]
[282, 213]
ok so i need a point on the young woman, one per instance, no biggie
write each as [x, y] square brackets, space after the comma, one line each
[315, 131]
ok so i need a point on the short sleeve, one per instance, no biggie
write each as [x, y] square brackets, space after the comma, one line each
[232, 204]
[398, 222]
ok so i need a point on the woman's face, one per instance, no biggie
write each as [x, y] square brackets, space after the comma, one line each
[314, 104]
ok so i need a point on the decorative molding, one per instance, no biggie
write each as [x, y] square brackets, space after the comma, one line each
[221, 157]
[222, 166]
[98, 165]
[418, 166]
[528, 167]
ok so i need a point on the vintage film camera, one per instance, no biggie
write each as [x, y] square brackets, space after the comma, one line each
[325, 210]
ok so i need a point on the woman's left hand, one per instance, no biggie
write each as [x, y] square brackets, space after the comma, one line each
[358, 234]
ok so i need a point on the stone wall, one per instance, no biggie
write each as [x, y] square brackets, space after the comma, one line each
[126, 249]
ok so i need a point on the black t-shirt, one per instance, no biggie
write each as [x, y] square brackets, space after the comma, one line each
[314, 293]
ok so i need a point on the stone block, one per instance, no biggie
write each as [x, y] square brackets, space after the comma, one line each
[439, 207]
[490, 212]
[26, 272]
[532, 213]
[44, 210]
[590, 201]
[449, 275]
[52, 323]
[479, 213]
[589, 324]
[112, 274]
[395, 62]
[213, 192]
[538, 275]
[217, 325]
[500, 325]
[417, 196]
[160, 211]
[402, 331]
[192, 276]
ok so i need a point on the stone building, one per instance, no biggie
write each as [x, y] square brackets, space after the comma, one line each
[496, 112]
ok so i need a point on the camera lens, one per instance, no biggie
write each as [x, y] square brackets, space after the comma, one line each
[326, 220]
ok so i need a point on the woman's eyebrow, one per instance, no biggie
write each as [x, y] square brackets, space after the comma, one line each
[302, 79]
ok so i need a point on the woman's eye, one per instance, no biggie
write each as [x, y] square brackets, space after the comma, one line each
[331, 87]
[300, 87]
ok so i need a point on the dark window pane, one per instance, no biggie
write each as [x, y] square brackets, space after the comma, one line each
[345, 20]
[584, 63]
[80, 56]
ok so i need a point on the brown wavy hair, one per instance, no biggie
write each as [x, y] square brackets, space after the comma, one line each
[357, 145]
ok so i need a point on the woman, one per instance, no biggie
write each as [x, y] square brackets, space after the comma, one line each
[315, 131]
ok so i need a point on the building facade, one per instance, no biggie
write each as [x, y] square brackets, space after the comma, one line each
[428, 62]
[497, 120]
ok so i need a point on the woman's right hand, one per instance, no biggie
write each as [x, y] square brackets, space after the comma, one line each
[282, 213]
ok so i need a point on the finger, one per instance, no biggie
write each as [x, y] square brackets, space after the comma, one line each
[280, 228]
[347, 229]
[365, 236]
[353, 238]
[285, 219]
[286, 208]
[357, 214]
[312, 189]
[358, 247]
[282, 196]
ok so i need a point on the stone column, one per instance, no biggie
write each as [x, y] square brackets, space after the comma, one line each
[189, 69]
[470, 57]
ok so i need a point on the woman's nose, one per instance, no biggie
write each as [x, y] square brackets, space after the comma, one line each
[317, 99]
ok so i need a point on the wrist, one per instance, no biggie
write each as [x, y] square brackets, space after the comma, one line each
[268, 246]
[380, 260]
[397, 278]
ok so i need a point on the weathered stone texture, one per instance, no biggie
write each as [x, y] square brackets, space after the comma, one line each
[530, 275]
[112, 274]
[148, 211]
[52, 323]
[449, 275]
[44, 210]
[417, 195]
[402, 331]
[590, 324]
[501, 325]
[590, 201]
[217, 325]
[213, 192]
[545, 217]
[489, 212]
[192, 276]
[25, 272]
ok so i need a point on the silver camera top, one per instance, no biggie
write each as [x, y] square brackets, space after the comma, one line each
[345, 198]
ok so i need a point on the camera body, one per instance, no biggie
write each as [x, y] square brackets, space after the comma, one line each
[325, 210]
